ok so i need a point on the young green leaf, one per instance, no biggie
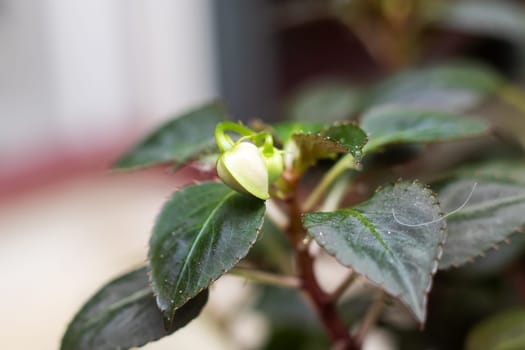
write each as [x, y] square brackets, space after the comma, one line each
[452, 87]
[505, 331]
[177, 141]
[394, 239]
[328, 143]
[123, 315]
[201, 233]
[348, 135]
[493, 212]
[394, 125]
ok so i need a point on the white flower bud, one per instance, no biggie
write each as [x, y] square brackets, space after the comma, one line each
[243, 168]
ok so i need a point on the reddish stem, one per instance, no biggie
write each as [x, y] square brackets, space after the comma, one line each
[321, 301]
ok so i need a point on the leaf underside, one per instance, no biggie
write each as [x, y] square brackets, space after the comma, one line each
[313, 147]
[177, 141]
[396, 256]
[123, 315]
[395, 125]
[201, 233]
[328, 143]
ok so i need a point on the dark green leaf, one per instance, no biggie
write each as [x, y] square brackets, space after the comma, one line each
[348, 135]
[291, 336]
[284, 306]
[177, 141]
[394, 125]
[325, 101]
[505, 331]
[394, 239]
[453, 87]
[496, 260]
[492, 213]
[353, 309]
[511, 171]
[293, 323]
[123, 314]
[272, 251]
[202, 232]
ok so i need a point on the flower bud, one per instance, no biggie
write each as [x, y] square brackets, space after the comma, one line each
[243, 168]
[274, 164]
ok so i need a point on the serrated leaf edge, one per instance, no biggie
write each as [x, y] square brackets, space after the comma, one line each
[171, 311]
[494, 246]
[435, 260]
[517, 231]
[359, 156]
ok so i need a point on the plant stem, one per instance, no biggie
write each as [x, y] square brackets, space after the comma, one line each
[338, 292]
[371, 317]
[320, 300]
[336, 194]
[266, 277]
[343, 164]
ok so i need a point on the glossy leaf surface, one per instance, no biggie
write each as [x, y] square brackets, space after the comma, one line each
[177, 141]
[492, 201]
[394, 239]
[395, 125]
[123, 315]
[452, 87]
[348, 135]
[202, 232]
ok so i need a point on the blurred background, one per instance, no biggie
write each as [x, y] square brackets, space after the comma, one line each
[80, 81]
